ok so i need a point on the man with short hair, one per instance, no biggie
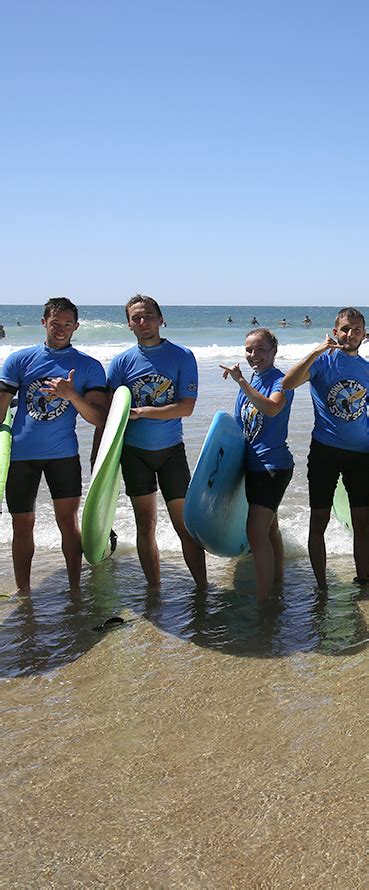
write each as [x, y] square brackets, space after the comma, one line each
[55, 383]
[162, 378]
[339, 382]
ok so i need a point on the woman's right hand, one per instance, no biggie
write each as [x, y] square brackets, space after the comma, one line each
[235, 372]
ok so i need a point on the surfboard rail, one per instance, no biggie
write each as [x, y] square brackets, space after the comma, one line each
[103, 492]
[5, 450]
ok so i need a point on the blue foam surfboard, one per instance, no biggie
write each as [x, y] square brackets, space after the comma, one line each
[215, 510]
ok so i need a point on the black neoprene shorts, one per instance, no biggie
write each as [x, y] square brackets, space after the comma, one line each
[63, 476]
[143, 470]
[324, 467]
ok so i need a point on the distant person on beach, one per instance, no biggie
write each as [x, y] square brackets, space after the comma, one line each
[307, 321]
[262, 411]
[55, 383]
[2, 331]
[163, 380]
[339, 384]
[254, 320]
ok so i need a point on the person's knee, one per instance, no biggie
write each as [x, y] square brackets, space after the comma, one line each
[175, 509]
[360, 520]
[23, 523]
[256, 536]
[146, 525]
[67, 522]
[179, 527]
[319, 521]
[274, 531]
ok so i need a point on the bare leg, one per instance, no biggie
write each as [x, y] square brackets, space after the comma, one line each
[259, 523]
[360, 524]
[276, 541]
[145, 509]
[319, 519]
[194, 555]
[66, 514]
[23, 549]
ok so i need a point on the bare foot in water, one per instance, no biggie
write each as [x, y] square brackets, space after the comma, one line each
[22, 591]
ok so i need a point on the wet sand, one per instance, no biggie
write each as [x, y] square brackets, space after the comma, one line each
[150, 756]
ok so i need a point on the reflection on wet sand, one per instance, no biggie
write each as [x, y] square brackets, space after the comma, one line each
[51, 627]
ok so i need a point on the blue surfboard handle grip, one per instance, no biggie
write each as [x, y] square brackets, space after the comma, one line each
[212, 476]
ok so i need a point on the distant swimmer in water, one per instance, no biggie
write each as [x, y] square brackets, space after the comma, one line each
[284, 323]
[229, 319]
[254, 320]
[18, 324]
[307, 320]
[2, 331]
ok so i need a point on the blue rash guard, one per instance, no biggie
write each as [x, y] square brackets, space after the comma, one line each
[339, 386]
[155, 375]
[44, 427]
[266, 446]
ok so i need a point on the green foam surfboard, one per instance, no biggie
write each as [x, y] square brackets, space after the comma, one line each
[102, 496]
[5, 448]
[341, 505]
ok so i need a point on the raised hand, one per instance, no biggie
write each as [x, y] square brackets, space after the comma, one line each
[235, 372]
[329, 343]
[59, 386]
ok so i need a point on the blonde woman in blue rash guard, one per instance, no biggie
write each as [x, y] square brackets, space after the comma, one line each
[262, 411]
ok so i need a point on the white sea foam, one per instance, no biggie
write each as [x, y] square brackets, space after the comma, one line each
[91, 324]
[104, 352]
[291, 352]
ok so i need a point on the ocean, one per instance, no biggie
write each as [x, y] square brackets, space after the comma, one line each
[205, 742]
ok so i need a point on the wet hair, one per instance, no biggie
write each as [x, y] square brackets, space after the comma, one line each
[60, 304]
[350, 312]
[147, 301]
[266, 334]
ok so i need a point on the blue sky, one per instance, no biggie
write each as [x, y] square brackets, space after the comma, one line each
[203, 152]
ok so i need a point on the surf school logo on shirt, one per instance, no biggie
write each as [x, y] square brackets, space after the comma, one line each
[347, 399]
[252, 421]
[152, 389]
[41, 406]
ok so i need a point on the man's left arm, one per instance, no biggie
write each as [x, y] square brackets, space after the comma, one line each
[182, 408]
[187, 382]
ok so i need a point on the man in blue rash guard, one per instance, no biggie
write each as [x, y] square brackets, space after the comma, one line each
[339, 384]
[262, 411]
[55, 383]
[162, 378]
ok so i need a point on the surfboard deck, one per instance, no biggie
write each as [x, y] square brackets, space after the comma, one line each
[102, 496]
[5, 449]
[341, 505]
[215, 510]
